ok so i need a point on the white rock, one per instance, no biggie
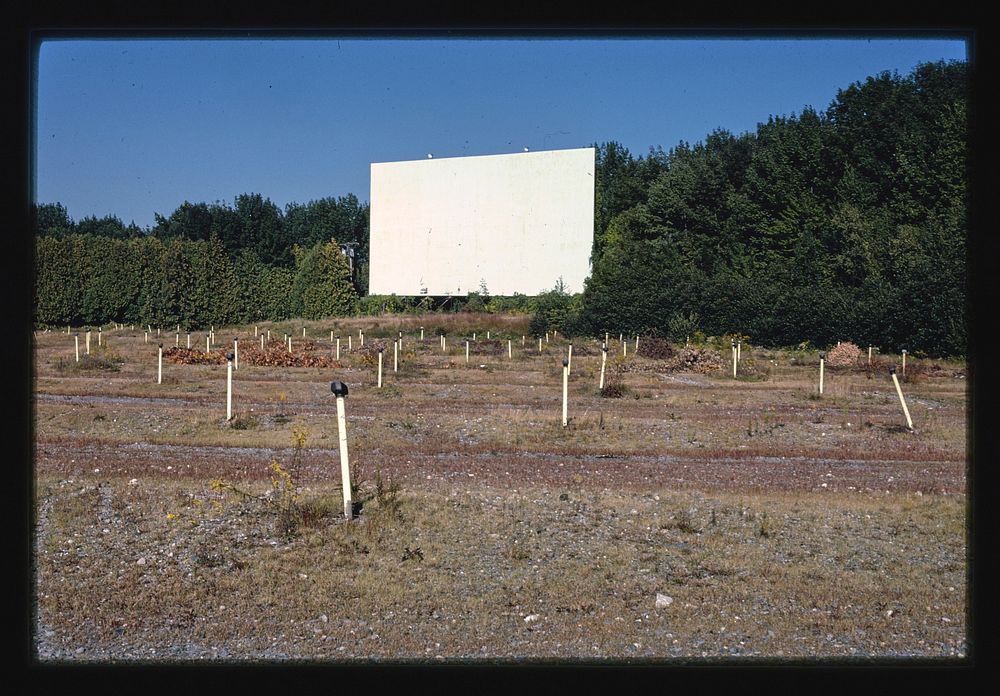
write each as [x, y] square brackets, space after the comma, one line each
[663, 601]
[134, 482]
[141, 561]
[532, 617]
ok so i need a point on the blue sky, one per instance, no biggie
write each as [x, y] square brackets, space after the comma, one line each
[136, 127]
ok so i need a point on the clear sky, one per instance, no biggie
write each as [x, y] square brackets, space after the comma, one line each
[136, 127]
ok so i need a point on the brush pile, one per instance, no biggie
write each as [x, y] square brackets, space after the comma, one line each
[304, 354]
[843, 355]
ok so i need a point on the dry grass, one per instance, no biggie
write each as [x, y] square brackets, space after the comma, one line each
[456, 574]
[781, 523]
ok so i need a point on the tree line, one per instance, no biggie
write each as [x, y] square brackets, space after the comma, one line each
[92, 279]
[846, 224]
[843, 224]
[253, 223]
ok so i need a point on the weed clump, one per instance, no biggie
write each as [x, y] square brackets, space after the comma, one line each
[749, 370]
[614, 385]
[103, 361]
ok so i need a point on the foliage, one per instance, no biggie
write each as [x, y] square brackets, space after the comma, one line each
[556, 310]
[322, 285]
[845, 222]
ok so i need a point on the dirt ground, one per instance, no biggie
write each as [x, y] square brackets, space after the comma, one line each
[698, 516]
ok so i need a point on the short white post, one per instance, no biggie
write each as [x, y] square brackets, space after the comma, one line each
[149, 328]
[546, 336]
[401, 340]
[473, 335]
[289, 344]
[379, 368]
[177, 339]
[331, 336]
[340, 390]
[734, 359]
[338, 347]
[539, 344]
[88, 342]
[510, 352]
[255, 331]
[76, 340]
[229, 386]
[208, 343]
[466, 352]
[605, 338]
[822, 359]
[739, 350]
[350, 342]
[262, 341]
[522, 340]
[621, 336]
[189, 339]
[902, 401]
[99, 343]
[904, 363]
[624, 349]
[604, 360]
[159, 367]
[236, 353]
[565, 392]
[569, 358]
[869, 356]
[421, 333]
[269, 334]
[637, 344]
[303, 332]
[395, 357]
[487, 334]
[146, 336]
[362, 339]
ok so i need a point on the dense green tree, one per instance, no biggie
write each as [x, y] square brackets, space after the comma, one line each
[344, 219]
[107, 226]
[58, 282]
[262, 229]
[51, 219]
[191, 221]
[322, 285]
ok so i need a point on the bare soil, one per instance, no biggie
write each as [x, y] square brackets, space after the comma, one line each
[699, 516]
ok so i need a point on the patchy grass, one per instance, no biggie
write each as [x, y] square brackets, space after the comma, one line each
[458, 574]
[780, 523]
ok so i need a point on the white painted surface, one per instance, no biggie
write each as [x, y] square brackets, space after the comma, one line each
[516, 222]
